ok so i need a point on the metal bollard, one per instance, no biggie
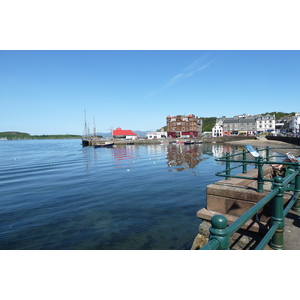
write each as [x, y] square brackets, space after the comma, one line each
[244, 159]
[267, 153]
[260, 175]
[217, 231]
[277, 242]
[227, 166]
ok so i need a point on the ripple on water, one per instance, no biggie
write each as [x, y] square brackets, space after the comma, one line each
[59, 195]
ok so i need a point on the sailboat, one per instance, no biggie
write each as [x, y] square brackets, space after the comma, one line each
[85, 139]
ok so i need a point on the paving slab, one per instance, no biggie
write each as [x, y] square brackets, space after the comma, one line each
[292, 231]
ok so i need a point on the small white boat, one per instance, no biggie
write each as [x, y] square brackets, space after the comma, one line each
[106, 145]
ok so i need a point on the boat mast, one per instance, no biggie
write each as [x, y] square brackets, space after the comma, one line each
[94, 128]
[85, 125]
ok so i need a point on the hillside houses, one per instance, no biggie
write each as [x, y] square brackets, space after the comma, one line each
[258, 124]
[190, 126]
[289, 124]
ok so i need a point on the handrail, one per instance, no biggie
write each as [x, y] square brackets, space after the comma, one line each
[220, 233]
[259, 162]
[219, 222]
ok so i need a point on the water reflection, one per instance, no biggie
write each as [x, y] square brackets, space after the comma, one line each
[220, 150]
[182, 157]
[121, 154]
[154, 150]
[178, 157]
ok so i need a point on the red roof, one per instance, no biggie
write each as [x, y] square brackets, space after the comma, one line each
[122, 132]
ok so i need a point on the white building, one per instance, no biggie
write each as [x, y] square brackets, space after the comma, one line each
[156, 135]
[217, 131]
[294, 125]
[218, 128]
[265, 124]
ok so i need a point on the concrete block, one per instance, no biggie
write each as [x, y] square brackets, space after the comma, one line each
[251, 225]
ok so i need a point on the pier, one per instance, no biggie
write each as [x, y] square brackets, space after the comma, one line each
[90, 141]
[93, 142]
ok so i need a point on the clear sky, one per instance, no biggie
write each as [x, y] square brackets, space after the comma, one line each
[46, 92]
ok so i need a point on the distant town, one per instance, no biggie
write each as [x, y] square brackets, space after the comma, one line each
[258, 124]
[191, 126]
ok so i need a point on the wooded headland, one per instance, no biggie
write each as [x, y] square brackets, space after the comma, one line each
[15, 135]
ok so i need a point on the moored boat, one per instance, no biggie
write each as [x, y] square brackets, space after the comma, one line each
[85, 142]
[189, 142]
[106, 145]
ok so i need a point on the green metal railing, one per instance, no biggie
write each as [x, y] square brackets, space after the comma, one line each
[258, 162]
[219, 232]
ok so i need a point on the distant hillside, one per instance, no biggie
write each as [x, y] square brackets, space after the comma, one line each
[142, 133]
[279, 115]
[208, 123]
[15, 135]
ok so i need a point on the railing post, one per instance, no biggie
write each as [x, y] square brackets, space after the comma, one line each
[219, 224]
[277, 242]
[244, 159]
[296, 206]
[227, 165]
[267, 153]
[256, 158]
[260, 175]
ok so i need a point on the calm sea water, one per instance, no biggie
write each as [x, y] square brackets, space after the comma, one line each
[56, 194]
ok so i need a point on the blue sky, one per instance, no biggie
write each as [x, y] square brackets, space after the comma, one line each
[46, 92]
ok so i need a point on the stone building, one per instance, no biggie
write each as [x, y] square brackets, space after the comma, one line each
[184, 126]
[239, 125]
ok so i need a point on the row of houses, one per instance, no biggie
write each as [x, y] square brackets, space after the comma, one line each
[258, 124]
[190, 126]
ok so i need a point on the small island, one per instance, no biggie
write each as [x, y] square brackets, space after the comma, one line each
[15, 135]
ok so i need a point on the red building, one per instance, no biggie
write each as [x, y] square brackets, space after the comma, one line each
[119, 133]
[184, 126]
